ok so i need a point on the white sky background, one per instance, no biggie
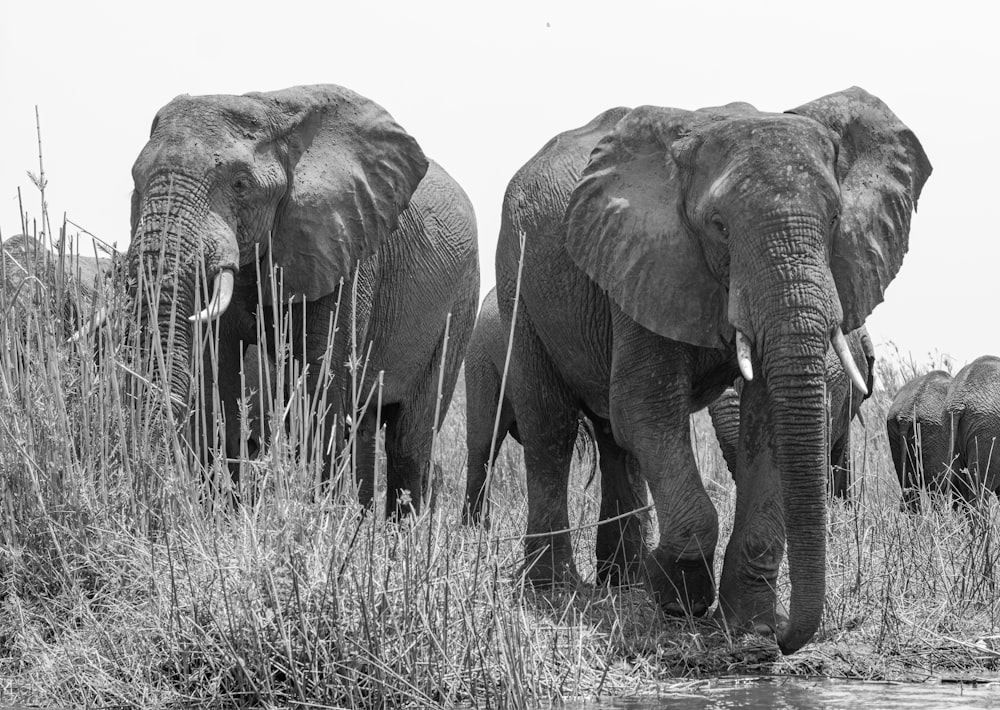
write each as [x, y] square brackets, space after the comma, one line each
[483, 86]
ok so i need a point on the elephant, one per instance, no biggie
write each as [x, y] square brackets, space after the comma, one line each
[484, 365]
[919, 435]
[651, 256]
[71, 295]
[843, 400]
[972, 418]
[363, 247]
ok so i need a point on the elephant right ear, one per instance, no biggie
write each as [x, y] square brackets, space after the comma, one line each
[624, 229]
[351, 172]
[882, 168]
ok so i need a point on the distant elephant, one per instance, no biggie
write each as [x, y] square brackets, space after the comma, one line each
[918, 436]
[321, 185]
[26, 258]
[972, 418]
[843, 399]
[484, 364]
[664, 252]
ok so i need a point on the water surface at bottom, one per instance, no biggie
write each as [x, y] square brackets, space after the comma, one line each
[811, 694]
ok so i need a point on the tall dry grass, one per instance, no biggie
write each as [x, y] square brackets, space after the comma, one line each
[127, 578]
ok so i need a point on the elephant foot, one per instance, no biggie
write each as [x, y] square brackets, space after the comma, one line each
[762, 617]
[748, 603]
[619, 573]
[680, 587]
[549, 566]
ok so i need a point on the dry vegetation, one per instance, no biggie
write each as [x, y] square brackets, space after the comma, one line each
[124, 581]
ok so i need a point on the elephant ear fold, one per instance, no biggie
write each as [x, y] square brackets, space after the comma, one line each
[882, 169]
[624, 229]
[351, 172]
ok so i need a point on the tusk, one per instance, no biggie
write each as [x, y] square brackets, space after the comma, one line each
[99, 319]
[222, 294]
[743, 356]
[847, 360]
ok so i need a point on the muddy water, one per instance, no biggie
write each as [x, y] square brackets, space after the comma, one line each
[811, 694]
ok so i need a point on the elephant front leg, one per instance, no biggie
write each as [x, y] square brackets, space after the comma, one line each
[651, 395]
[622, 541]
[747, 591]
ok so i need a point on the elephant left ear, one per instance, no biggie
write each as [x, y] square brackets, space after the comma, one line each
[351, 172]
[882, 168]
[624, 229]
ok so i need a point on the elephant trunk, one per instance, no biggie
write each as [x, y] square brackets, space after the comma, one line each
[794, 367]
[797, 314]
[178, 243]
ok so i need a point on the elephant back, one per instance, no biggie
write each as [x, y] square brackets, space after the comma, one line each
[922, 399]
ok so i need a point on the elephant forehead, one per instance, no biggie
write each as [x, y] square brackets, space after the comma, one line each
[199, 134]
[773, 138]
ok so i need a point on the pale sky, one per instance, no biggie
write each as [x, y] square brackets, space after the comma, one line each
[483, 86]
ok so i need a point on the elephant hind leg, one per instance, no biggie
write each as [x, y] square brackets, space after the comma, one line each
[621, 543]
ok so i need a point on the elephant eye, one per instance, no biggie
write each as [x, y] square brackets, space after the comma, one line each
[834, 220]
[241, 184]
[720, 225]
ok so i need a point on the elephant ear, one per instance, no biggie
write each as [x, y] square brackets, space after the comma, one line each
[882, 169]
[624, 229]
[351, 172]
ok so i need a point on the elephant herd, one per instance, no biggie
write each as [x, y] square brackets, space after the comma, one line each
[650, 263]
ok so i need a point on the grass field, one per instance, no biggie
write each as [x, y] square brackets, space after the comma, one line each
[124, 582]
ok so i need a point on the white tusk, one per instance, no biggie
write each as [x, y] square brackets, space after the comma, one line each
[99, 319]
[743, 356]
[847, 360]
[222, 294]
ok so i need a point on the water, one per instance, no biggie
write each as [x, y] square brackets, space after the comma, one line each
[811, 694]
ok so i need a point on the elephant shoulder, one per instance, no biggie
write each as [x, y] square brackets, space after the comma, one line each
[441, 213]
[537, 194]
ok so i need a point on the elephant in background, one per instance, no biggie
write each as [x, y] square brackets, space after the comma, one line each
[972, 418]
[665, 251]
[844, 401]
[919, 437]
[75, 288]
[319, 188]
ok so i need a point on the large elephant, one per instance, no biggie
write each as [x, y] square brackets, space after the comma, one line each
[320, 187]
[919, 437]
[972, 417]
[664, 252]
[843, 401]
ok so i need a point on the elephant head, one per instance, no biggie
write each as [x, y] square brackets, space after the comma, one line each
[314, 178]
[776, 231]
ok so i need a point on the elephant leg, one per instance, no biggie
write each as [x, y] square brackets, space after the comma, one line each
[840, 467]
[652, 422]
[363, 455]
[725, 414]
[747, 596]
[621, 542]
[482, 461]
[408, 443]
[547, 423]
[220, 396]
